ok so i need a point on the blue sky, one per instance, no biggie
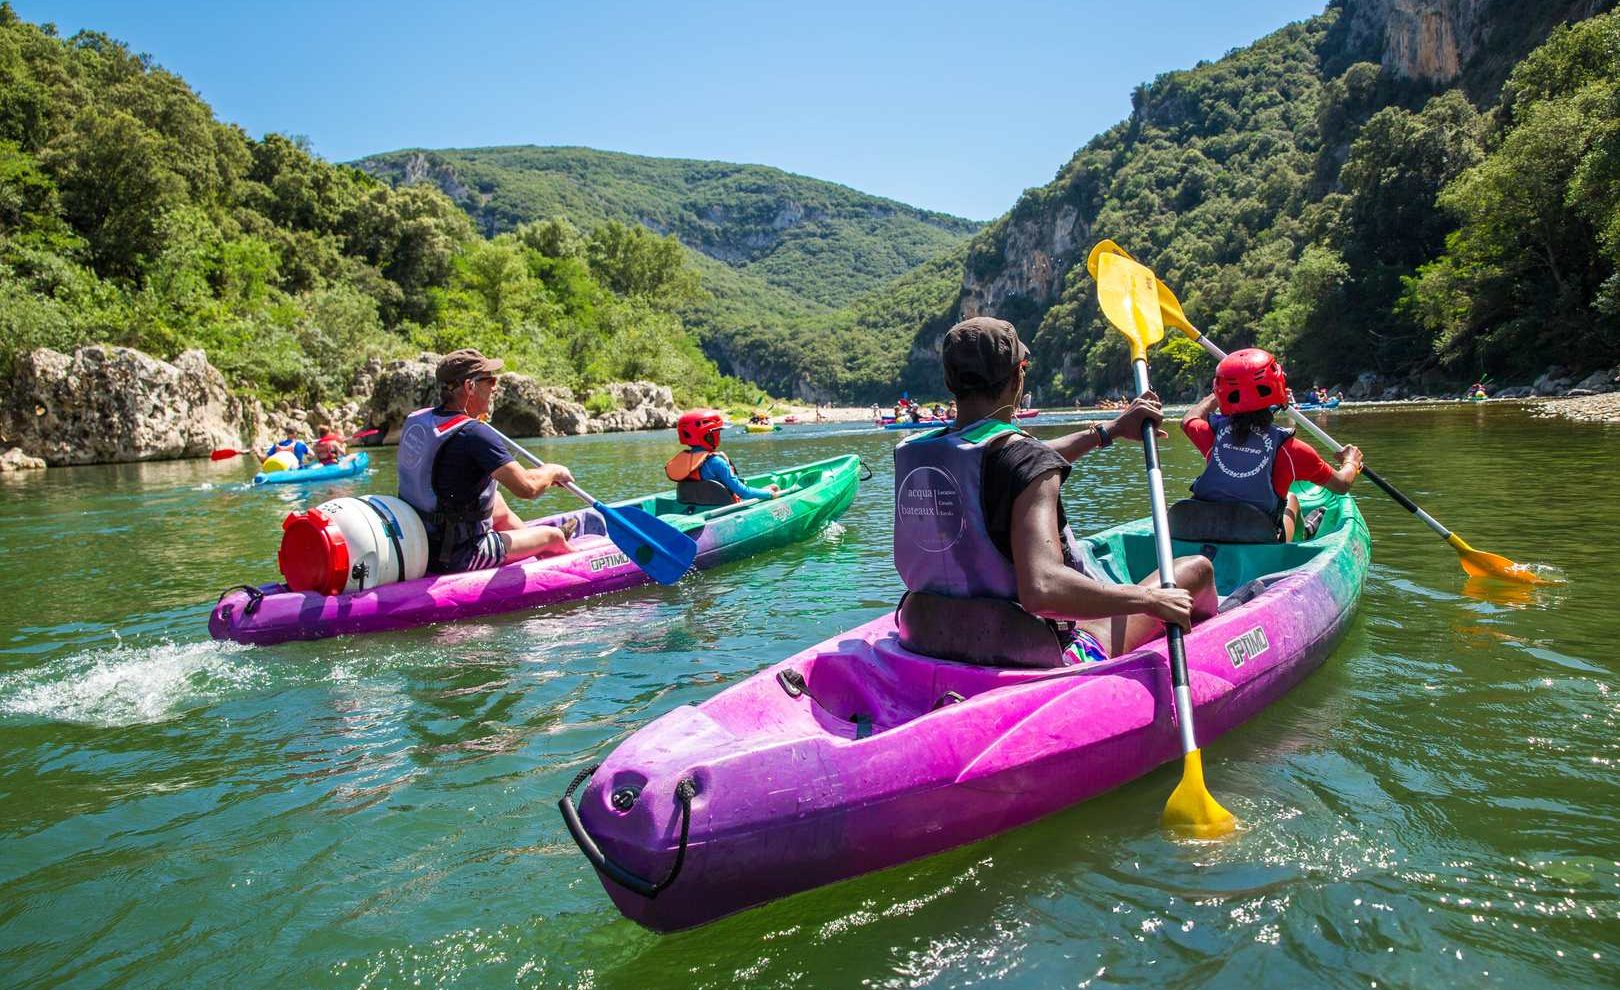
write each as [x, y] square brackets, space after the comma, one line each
[945, 105]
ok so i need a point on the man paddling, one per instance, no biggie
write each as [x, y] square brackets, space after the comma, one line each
[981, 540]
[450, 464]
[290, 444]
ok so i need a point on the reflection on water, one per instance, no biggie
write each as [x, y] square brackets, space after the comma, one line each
[1433, 808]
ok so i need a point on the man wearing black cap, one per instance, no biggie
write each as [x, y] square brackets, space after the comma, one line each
[980, 536]
[449, 465]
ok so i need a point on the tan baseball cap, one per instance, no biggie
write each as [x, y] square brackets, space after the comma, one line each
[458, 366]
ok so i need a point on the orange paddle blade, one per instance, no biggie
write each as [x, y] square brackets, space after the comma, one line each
[1481, 563]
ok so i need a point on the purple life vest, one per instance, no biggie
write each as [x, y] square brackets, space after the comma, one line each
[941, 542]
[1242, 473]
[424, 435]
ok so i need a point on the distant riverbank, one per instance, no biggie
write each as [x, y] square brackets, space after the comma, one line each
[1604, 408]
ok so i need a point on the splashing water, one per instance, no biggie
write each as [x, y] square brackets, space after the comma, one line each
[127, 685]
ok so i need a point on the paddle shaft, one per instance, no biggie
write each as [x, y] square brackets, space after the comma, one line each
[1167, 567]
[1371, 475]
[574, 489]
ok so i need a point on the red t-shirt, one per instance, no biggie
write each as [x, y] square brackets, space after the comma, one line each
[1296, 461]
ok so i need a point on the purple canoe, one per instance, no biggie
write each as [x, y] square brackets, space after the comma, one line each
[813, 495]
[858, 754]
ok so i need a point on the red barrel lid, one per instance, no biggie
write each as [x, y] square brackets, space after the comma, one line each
[313, 555]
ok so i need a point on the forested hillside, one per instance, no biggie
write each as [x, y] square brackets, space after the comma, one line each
[1446, 211]
[819, 241]
[1425, 189]
[130, 215]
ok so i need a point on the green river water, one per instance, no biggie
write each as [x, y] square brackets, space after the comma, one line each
[1436, 807]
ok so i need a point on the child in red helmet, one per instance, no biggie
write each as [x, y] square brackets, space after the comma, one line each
[1250, 459]
[329, 448]
[703, 475]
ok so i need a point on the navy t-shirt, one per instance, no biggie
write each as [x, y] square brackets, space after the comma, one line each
[465, 462]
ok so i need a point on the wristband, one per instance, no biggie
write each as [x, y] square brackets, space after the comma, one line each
[1103, 438]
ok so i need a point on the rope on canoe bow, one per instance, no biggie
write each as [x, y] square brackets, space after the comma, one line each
[255, 597]
[685, 791]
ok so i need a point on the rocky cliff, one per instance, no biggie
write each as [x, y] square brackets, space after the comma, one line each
[1441, 42]
[115, 404]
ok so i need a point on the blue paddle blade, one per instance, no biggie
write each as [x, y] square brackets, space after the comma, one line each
[653, 545]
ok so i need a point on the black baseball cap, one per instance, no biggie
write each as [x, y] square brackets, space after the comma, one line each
[980, 354]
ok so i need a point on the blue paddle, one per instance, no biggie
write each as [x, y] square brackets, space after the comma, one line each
[653, 545]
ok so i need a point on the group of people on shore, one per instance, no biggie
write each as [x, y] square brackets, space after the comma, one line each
[981, 537]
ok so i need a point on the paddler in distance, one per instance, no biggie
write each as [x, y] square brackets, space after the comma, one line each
[702, 474]
[450, 464]
[290, 447]
[329, 448]
[981, 541]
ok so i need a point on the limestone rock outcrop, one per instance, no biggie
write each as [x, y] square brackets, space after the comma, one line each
[398, 389]
[115, 404]
[523, 407]
[15, 460]
[641, 406]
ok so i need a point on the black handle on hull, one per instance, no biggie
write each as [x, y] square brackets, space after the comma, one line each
[684, 792]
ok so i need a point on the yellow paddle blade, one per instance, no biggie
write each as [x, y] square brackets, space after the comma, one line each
[1192, 809]
[1170, 306]
[1129, 296]
[1104, 246]
[1480, 563]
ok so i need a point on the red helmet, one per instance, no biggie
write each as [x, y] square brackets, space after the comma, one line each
[1248, 381]
[700, 428]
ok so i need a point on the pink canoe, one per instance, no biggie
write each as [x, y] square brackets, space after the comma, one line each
[812, 496]
[858, 754]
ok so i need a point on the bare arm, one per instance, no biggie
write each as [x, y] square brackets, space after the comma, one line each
[1349, 466]
[530, 482]
[1126, 426]
[1049, 588]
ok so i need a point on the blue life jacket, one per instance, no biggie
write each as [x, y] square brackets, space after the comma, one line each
[1242, 473]
[425, 434]
[942, 544]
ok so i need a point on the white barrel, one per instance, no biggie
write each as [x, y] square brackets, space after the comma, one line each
[385, 537]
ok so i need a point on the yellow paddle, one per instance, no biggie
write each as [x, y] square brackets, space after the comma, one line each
[1129, 298]
[1477, 563]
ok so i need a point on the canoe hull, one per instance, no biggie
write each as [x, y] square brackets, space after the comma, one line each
[346, 467]
[596, 568]
[788, 798]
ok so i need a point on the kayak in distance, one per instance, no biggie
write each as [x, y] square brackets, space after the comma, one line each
[1309, 406]
[813, 495]
[858, 754]
[346, 467]
[889, 422]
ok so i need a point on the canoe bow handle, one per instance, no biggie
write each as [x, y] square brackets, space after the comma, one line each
[684, 792]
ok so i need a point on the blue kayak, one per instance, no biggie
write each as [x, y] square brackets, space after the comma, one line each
[1308, 406]
[927, 424]
[346, 467]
